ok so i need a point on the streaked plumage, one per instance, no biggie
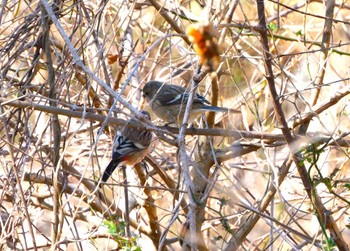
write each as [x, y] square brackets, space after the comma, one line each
[129, 147]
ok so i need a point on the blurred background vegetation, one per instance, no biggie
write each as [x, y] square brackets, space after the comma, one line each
[68, 66]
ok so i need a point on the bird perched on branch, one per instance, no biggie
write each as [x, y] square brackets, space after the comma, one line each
[130, 146]
[168, 102]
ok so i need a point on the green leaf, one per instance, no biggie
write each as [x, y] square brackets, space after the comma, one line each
[347, 185]
[272, 26]
[112, 227]
[299, 33]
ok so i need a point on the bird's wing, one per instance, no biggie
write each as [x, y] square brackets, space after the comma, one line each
[124, 147]
[176, 96]
[200, 99]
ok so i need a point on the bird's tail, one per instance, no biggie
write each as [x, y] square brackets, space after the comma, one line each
[220, 109]
[109, 170]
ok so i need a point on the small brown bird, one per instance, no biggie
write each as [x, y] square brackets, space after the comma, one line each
[168, 102]
[130, 146]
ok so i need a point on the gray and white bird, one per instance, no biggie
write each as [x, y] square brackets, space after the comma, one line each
[168, 102]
